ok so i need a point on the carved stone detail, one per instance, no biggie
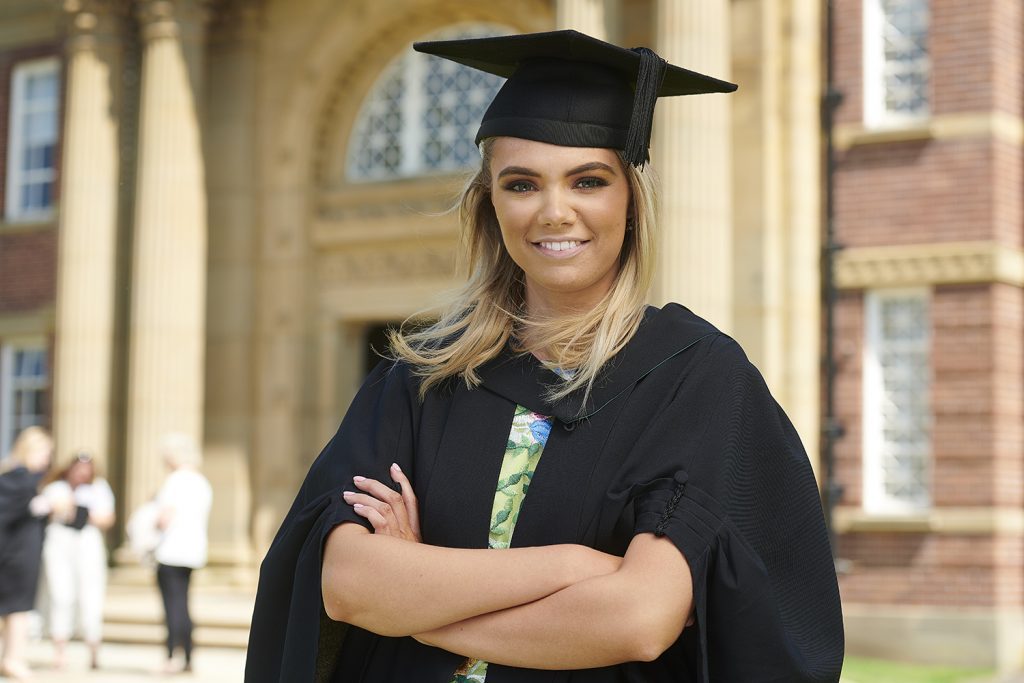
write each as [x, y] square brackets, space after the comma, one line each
[929, 264]
[376, 265]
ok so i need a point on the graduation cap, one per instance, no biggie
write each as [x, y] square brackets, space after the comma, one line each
[567, 88]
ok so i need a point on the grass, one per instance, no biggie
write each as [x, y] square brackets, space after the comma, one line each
[860, 670]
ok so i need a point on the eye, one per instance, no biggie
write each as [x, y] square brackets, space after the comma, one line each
[591, 183]
[519, 186]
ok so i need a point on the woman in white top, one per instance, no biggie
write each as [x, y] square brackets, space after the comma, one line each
[75, 554]
[184, 501]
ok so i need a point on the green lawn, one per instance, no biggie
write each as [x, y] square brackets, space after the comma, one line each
[858, 670]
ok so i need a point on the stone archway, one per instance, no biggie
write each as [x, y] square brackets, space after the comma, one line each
[312, 285]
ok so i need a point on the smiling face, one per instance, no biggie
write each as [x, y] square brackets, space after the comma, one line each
[562, 212]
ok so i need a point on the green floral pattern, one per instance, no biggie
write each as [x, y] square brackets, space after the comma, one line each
[525, 445]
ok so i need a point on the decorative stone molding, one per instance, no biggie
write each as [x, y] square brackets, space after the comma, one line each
[996, 124]
[181, 19]
[929, 264]
[970, 521]
[87, 23]
[385, 265]
[39, 321]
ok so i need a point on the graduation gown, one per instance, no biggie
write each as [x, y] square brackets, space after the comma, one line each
[21, 541]
[680, 437]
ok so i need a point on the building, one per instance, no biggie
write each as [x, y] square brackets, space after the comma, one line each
[928, 208]
[212, 208]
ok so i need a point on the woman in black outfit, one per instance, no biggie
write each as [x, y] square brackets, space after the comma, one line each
[22, 519]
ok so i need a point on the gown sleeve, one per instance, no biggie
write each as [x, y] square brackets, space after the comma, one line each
[291, 638]
[740, 502]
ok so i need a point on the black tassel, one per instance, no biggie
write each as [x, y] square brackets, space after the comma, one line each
[648, 82]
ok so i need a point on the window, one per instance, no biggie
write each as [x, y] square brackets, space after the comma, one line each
[24, 381]
[32, 143]
[897, 403]
[422, 115]
[896, 64]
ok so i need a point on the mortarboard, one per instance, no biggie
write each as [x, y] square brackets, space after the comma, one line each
[567, 88]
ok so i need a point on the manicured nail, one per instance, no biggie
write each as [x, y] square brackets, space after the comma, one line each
[395, 467]
[358, 506]
[347, 494]
[357, 478]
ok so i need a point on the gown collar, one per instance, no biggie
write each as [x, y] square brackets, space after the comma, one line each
[663, 334]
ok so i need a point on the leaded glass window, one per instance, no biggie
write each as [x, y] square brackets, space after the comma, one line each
[24, 380]
[32, 144]
[422, 114]
[897, 401]
[897, 65]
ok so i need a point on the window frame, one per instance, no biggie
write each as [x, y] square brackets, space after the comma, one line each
[8, 348]
[14, 211]
[411, 138]
[875, 500]
[876, 113]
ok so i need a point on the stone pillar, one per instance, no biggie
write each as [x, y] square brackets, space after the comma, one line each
[691, 151]
[86, 267]
[587, 16]
[168, 288]
[232, 73]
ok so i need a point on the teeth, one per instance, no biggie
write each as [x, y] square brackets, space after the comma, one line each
[559, 246]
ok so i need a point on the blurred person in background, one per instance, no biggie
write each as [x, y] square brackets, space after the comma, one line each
[23, 515]
[75, 555]
[184, 509]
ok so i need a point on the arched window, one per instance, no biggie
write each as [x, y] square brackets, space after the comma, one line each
[422, 114]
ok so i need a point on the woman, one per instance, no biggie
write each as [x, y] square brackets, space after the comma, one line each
[656, 515]
[75, 556]
[184, 511]
[22, 516]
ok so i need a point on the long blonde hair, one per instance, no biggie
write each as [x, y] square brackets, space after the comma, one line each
[29, 440]
[488, 311]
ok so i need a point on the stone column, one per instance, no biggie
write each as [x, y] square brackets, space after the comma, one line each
[232, 80]
[588, 16]
[691, 151]
[87, 251]
[168, 297]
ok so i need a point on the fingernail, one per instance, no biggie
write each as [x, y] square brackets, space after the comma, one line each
[395, 467]
[357, 478]
[347, 494]
[358, 505]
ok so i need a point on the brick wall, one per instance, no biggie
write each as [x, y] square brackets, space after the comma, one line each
[28, 270]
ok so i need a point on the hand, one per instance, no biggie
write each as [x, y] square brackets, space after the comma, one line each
[389, 512]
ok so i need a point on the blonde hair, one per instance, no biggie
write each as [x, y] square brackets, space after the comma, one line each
[488, 311]
[30, 440]
[180, 450]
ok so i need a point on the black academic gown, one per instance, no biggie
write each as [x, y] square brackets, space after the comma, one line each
[680, 438]
[21, 541]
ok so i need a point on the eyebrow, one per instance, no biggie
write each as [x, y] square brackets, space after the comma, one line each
[522, 170]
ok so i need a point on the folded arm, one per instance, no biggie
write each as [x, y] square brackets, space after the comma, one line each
[632, 614]
[396, 588]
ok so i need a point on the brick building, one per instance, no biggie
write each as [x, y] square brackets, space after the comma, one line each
[930, 327]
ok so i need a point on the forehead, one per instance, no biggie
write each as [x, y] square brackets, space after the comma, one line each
[542, 156]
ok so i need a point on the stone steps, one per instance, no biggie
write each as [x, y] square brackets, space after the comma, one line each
[133, 612]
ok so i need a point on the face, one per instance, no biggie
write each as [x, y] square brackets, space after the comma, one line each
[38, 457]
[562, 212]
[81, 472]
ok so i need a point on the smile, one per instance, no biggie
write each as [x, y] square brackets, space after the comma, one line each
[563, 248]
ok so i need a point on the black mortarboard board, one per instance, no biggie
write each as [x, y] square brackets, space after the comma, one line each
[567, 88]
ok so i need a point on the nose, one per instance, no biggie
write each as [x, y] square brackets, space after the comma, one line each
[557, 208]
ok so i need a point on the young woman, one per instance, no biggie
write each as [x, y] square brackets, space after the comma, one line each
[23, 516]
[588, 489]
[75, 555]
